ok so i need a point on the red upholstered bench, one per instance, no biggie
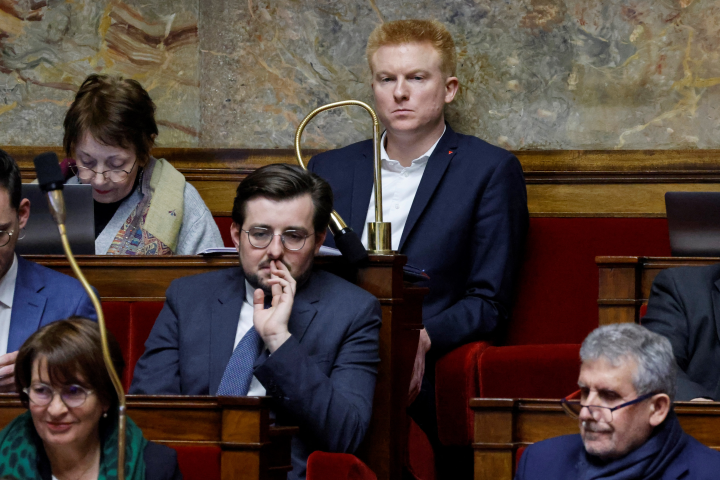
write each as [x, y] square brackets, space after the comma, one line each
[556, 308]
[223, 224]
[199, 463]
[130, 323]
[337, 466]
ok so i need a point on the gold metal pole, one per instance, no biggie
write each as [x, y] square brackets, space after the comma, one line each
[103, 336]
[379, 232]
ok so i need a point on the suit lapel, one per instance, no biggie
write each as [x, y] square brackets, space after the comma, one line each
[362, 187]
[224, 319]
[716, 307]
[434, 171]
[304, 308]
[28, 306]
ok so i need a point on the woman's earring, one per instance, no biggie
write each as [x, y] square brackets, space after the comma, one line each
[105, 415]
[22, 233]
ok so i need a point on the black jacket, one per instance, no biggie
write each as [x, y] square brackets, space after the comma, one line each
[684, 306]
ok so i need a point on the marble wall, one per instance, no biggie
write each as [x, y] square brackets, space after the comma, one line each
[534, 74]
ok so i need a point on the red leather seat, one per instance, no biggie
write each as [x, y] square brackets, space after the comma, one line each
[556, 308]
[337, 466]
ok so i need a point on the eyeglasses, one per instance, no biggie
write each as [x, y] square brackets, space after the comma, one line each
[5, 236]
[115, 176]
[260, 237]
[598, 413]
[71, 395]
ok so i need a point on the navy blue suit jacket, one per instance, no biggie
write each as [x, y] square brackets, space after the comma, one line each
[466, 228]
[558, 459]
[43, 296]
[322, 379]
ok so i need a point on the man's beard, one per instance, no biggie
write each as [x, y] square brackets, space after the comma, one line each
[254, 280]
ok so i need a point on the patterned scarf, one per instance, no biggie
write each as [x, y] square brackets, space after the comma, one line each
[154, 225]
[20, 448]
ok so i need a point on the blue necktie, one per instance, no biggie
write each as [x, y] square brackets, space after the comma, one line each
[239, 371]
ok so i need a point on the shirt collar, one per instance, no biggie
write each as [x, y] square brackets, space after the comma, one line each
[249, 293]
[422, 159]
[7, 284]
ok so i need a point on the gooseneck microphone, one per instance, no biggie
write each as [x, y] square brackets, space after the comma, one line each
[379, 232]
[349, 244]
[51, 181]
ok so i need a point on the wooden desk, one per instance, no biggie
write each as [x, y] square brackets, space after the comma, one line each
[625, 283]
[251, 448]
[124, 278]
[502, 426]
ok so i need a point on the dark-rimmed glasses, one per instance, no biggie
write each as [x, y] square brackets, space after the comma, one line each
[260, 237]
[115, 176]
[5, 236]
[598, 413]
[71, 395]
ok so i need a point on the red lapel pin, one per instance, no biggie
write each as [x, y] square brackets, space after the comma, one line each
[449, 152]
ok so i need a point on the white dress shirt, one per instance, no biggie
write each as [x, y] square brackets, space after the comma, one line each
[399, 185]
[246, 321]
[7, 292]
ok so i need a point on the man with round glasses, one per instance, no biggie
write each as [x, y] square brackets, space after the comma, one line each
[31, 295]
[273, 326]
[628, 429]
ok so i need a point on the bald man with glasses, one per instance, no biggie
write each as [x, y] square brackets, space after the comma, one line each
[628, 429]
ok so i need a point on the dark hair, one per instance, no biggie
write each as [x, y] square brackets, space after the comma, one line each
[10, 179]
[72, 350]
[285, 182]
[115, 111]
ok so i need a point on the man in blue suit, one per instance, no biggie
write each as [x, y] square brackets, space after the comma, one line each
[30, 295]
[457, 205]
[316, 335]
[628, 429]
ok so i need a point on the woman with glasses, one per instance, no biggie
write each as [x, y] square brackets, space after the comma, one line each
[143, 205]
[70, 430]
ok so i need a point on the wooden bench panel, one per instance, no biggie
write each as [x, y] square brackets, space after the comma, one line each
[561, 183]
[625, 283]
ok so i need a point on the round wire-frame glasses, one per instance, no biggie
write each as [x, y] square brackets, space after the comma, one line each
[6, 236]
[71, 395]
[260, 237]
[115, 176]
[598, 412]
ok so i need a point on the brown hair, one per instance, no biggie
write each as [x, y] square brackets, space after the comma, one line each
[115, 111]
[72, 350]
[415, 31]
[285, 182]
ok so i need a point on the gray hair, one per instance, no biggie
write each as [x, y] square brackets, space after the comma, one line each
[656, 368]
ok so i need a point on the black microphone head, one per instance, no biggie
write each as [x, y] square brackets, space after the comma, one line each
[48, 172]
[349, 244]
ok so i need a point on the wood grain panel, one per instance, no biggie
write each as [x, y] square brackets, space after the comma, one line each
[564, 183]
[625, 283]
[606, 199]
[595, 162]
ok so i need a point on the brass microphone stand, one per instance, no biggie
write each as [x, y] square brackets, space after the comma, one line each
[57, 207]
[379, 232]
